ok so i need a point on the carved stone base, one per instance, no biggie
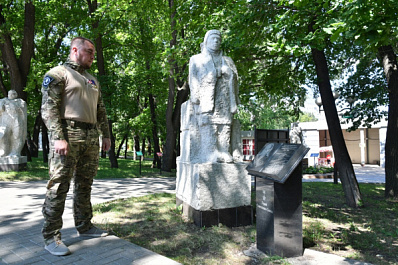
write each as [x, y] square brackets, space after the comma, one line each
[213, 193]
[13, 163]
[212, 186]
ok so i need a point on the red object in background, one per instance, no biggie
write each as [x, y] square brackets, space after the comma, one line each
[248, 146]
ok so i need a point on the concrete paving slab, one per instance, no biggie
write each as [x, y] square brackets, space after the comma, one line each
[310, 257]
[21, 221]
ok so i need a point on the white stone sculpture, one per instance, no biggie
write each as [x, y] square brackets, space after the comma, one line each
[13, 125]
[208, 126]
[210, 172]
[296, 135]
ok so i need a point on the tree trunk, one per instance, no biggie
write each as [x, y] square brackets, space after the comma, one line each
[3, 88]
[389, 62]
[173, 111]
[34, 146]
[112, 155]
[121, 145]
[170, 145]
[149, 148]
[31, 145]
[25, 151]
[92, 6]
[152, 106]
[168, 154]
[127, 146]
[343, 160]
[19, 68]
[143, 147]
[136, 143]
[45, 143]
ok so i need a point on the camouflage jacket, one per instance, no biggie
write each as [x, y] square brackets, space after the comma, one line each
[69, 92]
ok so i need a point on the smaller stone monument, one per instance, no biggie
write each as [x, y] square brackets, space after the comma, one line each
[13, 132]
[296, 135]
[278, 171]
[212, 183]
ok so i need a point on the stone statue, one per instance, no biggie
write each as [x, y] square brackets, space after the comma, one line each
[210, 172]
[213, 81]
[13, 125]
[295, 134]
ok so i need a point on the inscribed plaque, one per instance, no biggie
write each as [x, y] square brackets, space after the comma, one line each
[276, 161]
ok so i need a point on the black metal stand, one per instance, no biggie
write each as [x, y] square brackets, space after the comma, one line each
[140, 155]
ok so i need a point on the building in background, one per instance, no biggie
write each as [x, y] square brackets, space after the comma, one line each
[365, 145]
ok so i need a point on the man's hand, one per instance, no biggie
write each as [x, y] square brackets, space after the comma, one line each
[61, 147]
[106, 144]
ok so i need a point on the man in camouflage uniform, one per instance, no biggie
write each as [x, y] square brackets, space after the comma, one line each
[74, 113]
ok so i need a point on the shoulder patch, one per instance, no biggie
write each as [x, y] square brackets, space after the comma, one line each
[47, 80]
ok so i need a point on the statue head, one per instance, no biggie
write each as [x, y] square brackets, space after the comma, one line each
[12, 94]
[212, 40]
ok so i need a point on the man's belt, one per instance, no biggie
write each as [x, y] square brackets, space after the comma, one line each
[79, 124]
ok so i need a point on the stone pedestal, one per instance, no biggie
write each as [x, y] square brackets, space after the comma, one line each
[213, 193]
[13, 163]
[279, 215]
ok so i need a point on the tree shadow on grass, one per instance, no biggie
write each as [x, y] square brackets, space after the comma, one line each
[369, 233]
[155, 223]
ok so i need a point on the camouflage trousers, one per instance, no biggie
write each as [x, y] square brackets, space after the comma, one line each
[81, 165]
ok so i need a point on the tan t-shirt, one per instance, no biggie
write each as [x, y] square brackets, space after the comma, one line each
[69, 92]
[80, 98]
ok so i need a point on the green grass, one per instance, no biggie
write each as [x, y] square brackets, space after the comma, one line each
[128, 168]
[368, 234]
[37, 170]
[154, 222]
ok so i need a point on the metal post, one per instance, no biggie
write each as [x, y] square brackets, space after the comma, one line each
[139, 154]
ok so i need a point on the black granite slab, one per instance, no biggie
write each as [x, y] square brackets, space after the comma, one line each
[276, 161]
[230, 217]
[279, 215]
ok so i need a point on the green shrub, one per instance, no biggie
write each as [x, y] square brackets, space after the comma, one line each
[316, 170]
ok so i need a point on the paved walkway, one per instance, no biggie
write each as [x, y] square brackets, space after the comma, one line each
[366, 174]
[21, 221]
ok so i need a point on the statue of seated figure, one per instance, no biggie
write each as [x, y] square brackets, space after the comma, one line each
[13, 125]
